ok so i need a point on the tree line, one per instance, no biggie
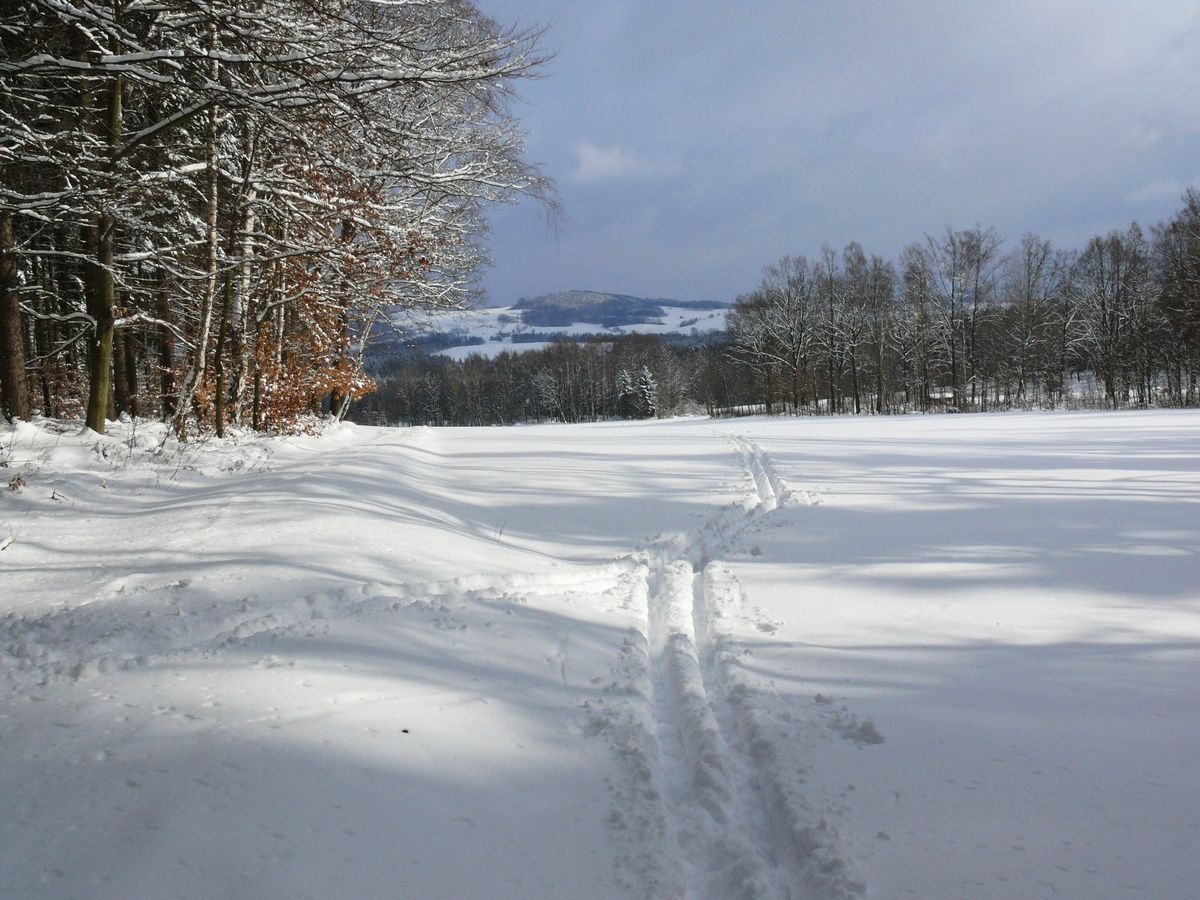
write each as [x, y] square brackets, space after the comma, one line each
[206, 205]
[957, 323]
[632, 377]
[954, 324]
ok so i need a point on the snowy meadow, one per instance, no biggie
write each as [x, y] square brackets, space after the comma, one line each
[914, 656]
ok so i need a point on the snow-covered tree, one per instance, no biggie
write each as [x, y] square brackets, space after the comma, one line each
[1113, 293]
[218, 198]
[626, 393]
[1177, 265]
[646, 394]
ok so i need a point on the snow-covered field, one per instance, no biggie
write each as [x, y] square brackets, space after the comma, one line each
[928, 657]
[496, 327]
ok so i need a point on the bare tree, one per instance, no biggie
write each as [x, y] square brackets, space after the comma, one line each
[1177, 263]
[832, 293]
[1033, 282]
[1110, 289]
[963, 266]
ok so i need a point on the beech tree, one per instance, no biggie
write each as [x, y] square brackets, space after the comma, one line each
[218, 200]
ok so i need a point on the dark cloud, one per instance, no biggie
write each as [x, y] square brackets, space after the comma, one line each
[693, 142]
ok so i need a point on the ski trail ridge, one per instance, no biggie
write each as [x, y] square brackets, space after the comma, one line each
[722, 805]
[701, 804]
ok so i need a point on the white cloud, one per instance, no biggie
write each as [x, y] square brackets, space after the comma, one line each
[594, 163]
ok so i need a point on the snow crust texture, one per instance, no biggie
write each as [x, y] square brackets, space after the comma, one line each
[690, 737]
[929, 657]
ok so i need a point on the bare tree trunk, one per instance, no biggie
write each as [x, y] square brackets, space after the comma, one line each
[131, 374]
[14, 391]
[854, 381]
[198, 369]
[166, 349]
[101, 298]
[832, 394]
[219, 360]
[102, 291]
[242, 315]
[43, 341]
[120, 376]
[954, 365]
[256, 403]
[879, 406]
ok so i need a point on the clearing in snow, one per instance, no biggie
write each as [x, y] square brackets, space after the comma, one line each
[912, 656]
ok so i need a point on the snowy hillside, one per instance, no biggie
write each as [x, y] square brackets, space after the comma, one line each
[911, 656]
[534, 322]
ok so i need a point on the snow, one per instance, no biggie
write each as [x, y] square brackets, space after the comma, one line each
[492, 348]
[496, 326]
[922, 656]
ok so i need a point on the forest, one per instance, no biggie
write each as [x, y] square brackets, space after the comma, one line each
[956, 324]
[207, 205]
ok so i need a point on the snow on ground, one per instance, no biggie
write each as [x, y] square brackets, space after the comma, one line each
[921, 656]
[492, 349]
[497, 326]
[1015, 602]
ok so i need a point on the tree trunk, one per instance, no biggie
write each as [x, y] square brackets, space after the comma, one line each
[954, 380]
[854, 381]
[14, 391]
[880, 381]
[120, 376]
[102, 290]
[166, 349]
[242, 314]
[832, 410]
[219, 360]
[101, 298]
[43, 342]
[131, 373]
[256, 404]
[198, 369]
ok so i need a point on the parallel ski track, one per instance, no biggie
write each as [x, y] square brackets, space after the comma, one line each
[736, 822]
[718, 801]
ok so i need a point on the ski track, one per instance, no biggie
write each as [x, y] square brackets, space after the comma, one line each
[701, 805]
[715, 797]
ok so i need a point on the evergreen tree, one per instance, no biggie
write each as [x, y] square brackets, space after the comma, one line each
[646, 392]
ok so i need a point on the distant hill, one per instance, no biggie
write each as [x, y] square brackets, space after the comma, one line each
[567, 315]
[598, 308]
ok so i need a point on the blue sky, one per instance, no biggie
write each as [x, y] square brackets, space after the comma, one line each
[694, 142]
